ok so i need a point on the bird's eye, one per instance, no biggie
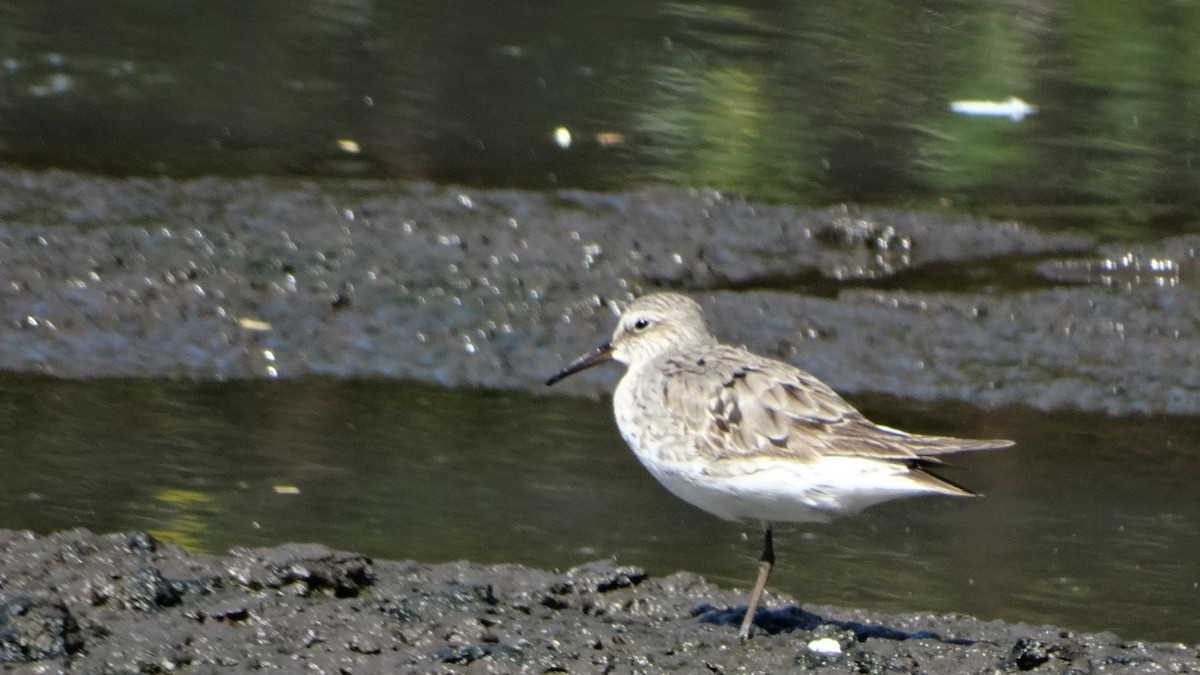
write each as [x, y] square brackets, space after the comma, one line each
[641, 324]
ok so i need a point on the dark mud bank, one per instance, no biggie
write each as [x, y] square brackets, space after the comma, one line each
[126, 603]
[218, 279]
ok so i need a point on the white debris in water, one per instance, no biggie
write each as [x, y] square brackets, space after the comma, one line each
[562, 136]
[1014, 108]
[825, 646]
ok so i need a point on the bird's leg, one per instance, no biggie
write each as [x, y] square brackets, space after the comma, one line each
[765, 562]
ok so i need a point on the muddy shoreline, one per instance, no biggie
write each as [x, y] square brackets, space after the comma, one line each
[126, 603]
[214, 279]
[219, 279]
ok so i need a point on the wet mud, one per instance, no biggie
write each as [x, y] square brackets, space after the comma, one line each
[126, 603]
[218, 279]
[277, 278]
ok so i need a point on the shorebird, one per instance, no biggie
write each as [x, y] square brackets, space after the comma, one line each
[746, 437]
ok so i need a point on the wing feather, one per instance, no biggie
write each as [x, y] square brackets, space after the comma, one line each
[747, 405]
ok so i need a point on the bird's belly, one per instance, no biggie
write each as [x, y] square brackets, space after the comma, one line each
[783, 491]
[772, 488]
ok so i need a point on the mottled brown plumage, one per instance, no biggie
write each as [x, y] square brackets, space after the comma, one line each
[743, 436]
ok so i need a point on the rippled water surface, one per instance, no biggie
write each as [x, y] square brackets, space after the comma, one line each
[1089, 522]
[812, 102]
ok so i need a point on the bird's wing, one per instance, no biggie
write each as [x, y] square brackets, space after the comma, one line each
[764, 407]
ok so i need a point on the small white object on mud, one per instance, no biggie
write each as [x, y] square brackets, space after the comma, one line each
[825, 646]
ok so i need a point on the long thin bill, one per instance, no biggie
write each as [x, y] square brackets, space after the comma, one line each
[602, 354]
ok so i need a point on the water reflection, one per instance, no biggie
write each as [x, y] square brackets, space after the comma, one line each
[809, 102]
[1089, 522]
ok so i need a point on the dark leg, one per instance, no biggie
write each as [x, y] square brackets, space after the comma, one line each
[765, 562]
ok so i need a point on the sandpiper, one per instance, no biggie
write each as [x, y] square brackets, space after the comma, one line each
[746, 437]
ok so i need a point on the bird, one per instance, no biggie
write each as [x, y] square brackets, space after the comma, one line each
[746, 437]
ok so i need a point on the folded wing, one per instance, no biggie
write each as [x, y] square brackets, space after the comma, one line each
[770, 408]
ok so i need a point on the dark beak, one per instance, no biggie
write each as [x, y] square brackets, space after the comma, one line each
[602, 354]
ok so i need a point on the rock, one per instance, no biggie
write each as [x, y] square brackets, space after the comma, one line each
[36, 630]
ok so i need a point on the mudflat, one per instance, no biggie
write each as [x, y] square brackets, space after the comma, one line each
[217, 279]
[124, 603]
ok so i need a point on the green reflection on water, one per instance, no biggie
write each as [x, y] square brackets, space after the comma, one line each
[1088, 523]
[808, 102]
[185, 516]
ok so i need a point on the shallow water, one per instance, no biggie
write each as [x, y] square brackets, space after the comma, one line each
[1089, 522]
[811, 102]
